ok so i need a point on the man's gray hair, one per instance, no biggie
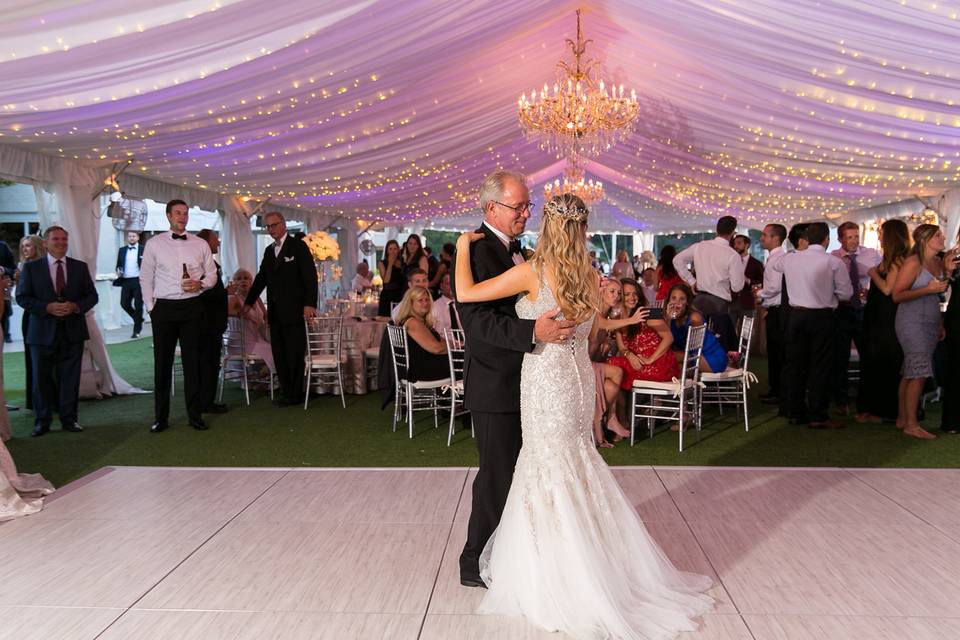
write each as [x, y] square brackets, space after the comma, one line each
[492, 187]
[275, 214]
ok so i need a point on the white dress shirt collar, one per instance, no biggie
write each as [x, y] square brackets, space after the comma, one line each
[504, 238]
[278, 245]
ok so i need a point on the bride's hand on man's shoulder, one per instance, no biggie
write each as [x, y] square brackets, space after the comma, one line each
[466, 238]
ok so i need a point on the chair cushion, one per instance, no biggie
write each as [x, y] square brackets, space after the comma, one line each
[660, 388]
[431, 384]
[323, 361]
[729, 374]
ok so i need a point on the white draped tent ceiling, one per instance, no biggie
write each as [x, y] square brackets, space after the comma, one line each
[395, 109]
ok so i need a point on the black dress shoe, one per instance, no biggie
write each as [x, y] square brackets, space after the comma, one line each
[12, 407]
[157, 427]
[73, 427]
[769, 399]
[39, 430]
[217, 408]
[472, 581]
[286, 402]
[198, 424]
[134, 335]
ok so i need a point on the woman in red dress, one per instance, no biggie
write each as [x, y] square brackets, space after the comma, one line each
[666, 272]
[644, 349]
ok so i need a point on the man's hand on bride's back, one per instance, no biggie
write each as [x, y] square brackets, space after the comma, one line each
[548, 329]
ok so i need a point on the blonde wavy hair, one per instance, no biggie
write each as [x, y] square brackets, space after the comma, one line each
[405, 308]
[40, 249]
[562, 249]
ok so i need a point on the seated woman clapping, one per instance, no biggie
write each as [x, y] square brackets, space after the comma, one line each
[256, 339]
[428, 351]
[644, 349]
[683, 316]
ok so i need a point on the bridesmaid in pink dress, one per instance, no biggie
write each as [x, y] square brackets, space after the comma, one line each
[254, 321]
[20, 493]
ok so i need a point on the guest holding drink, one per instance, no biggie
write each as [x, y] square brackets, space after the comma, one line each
[31, 248]
[681, 317]
[622, 268]
[394, 281]
[881, 357]
[643, 349]
[917, 290]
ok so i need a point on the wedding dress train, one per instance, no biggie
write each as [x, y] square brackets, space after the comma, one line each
[570, 553]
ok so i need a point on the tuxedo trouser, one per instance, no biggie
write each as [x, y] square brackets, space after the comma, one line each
[210, 346]
[131, 301]
[810, 348]
[27, 360]
[849, 328]
[56, 378]
[498, 442]
[716, 309]
[173, 321]
[784, 409]
[774, 332]
[950, 416]
[289, 344]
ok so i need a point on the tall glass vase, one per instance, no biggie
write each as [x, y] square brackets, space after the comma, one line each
[321, 266]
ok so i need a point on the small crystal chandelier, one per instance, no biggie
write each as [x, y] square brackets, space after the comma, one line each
[580, 116]
[588, 190]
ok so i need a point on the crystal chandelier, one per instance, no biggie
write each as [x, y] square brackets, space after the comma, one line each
[588, 190]
[580, 116]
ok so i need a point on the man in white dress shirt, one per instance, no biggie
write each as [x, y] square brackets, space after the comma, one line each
[816, 282]
[719, 272]
[858, 261]
[363, 279]
[772, 239]
[443, 314]
[177, 267]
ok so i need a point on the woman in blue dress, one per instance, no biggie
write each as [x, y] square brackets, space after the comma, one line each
[681, 317]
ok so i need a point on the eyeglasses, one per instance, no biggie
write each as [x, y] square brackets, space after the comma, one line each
[523, 207]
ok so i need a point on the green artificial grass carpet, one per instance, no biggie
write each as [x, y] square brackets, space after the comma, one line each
[116, 432]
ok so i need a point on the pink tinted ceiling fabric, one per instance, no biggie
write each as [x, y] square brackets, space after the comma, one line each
[396, 110]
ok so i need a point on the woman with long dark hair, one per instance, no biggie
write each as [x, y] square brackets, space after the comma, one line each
[414, 256]
[667, 275]
[394, 281]
[881, 357]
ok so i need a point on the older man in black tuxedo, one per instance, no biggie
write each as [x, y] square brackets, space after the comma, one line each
[57, 292]
[496, 342]
[290, 277]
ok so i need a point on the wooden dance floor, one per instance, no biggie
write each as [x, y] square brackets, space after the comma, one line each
[247, 554]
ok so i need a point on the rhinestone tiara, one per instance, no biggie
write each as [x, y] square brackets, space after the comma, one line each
[567, 211]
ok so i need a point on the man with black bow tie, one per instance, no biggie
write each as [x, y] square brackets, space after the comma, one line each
[177, 267]
[290, 277]
[129, 258]
[496, 342]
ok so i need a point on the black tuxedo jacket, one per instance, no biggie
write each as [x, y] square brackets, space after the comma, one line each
[214, 303]
[496, 338]
[290, 280]
[8, 261]
[36, 290]
[122, 260]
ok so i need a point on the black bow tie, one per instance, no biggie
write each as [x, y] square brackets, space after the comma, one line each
[178, 237]
[514, 247]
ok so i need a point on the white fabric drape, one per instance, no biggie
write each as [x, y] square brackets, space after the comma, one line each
[237, 248]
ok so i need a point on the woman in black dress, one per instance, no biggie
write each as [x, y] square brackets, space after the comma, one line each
[428, 351]
[394, 282]
[882, 357]
[413, 255]
[950, 418]
[31, 248]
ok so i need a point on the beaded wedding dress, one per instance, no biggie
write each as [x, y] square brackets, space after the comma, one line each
[570, 553]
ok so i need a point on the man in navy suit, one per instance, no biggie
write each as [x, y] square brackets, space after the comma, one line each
[129, 259]
[57, 292]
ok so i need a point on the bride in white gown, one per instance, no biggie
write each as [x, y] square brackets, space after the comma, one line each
[570, 553]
